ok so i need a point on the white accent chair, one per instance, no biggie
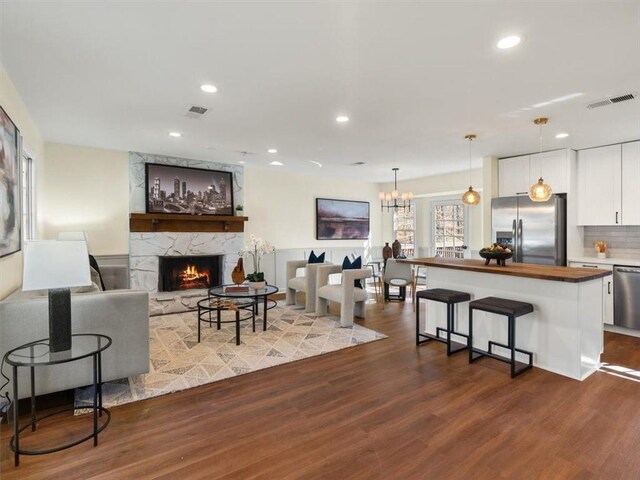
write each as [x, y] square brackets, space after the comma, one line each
[306, 283]
[352, 299]
[398, 275]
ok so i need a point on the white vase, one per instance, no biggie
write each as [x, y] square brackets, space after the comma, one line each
[257, 285]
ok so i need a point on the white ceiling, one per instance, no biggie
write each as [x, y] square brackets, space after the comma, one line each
[414, 78]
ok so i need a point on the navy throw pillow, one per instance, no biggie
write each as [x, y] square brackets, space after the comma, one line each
[316, 259]
[349, 265]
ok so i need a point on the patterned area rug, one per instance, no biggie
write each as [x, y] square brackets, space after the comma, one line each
[178, 361]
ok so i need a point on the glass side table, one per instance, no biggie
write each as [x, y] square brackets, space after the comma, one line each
[37, 354]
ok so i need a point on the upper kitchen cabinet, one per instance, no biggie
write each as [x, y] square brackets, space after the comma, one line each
[630, 180]
[600, 186]
[517, 174]
[513, 176]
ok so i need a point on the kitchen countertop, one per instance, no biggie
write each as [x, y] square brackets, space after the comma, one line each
[527, 270]
[631, 262]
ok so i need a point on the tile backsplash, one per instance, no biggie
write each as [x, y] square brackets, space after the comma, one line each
[622, 241]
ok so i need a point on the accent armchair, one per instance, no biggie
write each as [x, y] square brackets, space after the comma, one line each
[306, 283]
[352, 299]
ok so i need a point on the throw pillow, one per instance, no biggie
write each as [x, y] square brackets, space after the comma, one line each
[349, 265]
[316, 259]
[94, 264]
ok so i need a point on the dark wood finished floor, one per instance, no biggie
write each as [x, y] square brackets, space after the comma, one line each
[386, 410]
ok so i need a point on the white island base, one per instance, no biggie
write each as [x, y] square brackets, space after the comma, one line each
[564, 332]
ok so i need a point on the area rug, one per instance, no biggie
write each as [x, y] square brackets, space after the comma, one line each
[178, 361]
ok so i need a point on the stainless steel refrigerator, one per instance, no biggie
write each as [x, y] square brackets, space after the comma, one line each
[535, 231]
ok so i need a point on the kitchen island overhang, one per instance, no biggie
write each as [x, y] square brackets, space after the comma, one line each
[564, 332]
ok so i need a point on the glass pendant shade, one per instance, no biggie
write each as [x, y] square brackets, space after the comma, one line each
[540, 192]
[471, 197]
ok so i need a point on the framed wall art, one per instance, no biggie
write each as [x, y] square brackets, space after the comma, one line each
[188, 191]
[10, 212]
[341, 219]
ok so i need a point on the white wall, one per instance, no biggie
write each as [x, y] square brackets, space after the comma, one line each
[86, 189]
[428, 189]
[281, 207]
[11, 266]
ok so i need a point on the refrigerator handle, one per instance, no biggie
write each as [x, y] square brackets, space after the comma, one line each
[514, 236]
[519, 237]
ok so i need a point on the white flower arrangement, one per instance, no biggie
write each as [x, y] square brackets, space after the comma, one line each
[256, 247]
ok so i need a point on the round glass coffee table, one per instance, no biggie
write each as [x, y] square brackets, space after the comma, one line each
[209, 305]
[235, 292]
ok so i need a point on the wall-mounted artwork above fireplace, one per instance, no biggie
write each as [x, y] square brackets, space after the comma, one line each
[188, 191]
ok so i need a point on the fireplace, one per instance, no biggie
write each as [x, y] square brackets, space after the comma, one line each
[189, 272]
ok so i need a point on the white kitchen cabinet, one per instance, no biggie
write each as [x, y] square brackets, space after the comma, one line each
[554, 168]
[630, 210]
[516, 175]
[513, 176]
[600, 186]
[607, 289]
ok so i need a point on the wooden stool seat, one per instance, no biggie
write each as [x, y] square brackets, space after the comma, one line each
[512, 309]
[450, 297]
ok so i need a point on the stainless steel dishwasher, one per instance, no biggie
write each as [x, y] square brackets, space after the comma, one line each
[626, 296]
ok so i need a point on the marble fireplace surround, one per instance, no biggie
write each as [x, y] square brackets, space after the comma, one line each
[146, 248]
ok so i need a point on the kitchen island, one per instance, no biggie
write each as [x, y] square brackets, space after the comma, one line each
[565, 330]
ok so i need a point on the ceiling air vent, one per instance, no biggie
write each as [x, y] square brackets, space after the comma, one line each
[196, 111]
[611, 100]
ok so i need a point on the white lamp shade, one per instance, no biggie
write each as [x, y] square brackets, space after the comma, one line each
[72, 236]
[55, 264]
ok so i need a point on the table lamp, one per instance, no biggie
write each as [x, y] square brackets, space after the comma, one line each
[57, 266]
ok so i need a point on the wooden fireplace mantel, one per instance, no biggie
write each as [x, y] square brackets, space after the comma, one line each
[167, 222]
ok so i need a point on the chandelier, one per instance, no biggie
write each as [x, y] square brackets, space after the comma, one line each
[470, 197]
[389, 200]
[540, 191]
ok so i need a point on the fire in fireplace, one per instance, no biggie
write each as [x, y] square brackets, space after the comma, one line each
[189, 272]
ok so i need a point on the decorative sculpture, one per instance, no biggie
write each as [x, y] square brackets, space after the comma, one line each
[396, 247]
[237, 274]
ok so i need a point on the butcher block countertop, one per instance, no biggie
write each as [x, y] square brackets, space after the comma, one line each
[527, 270]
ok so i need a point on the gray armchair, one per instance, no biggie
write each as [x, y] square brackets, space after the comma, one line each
[352, 299]
[306, 283]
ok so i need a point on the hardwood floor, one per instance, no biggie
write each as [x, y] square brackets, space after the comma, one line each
[385, 410]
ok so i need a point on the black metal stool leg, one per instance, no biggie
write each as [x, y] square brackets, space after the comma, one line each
[512, 344]
[470, 335]
[418, 321]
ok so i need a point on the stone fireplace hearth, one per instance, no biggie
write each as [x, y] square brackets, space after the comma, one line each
[145, 249]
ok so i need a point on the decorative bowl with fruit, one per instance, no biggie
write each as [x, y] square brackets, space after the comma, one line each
[496, 252]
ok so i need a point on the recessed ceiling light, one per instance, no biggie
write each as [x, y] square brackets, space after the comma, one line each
[342, 119]
[276, 163]
[509, 42]
[209, 88]
[272, 150]
[562, 135]
[175, 134]
[241, 162]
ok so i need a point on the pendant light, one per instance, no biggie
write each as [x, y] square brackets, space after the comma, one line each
[470, 197]
[540, 191]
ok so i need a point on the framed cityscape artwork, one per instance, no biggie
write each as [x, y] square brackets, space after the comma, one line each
[188, 191]
[341, 219]
[10, 213]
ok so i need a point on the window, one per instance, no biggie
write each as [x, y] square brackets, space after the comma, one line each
[404, 229]
[28, 204]
[449, 232]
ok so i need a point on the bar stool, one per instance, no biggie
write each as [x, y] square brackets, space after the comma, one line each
[512, 309]
[450, 297]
